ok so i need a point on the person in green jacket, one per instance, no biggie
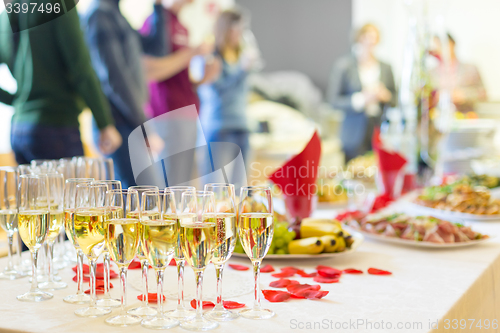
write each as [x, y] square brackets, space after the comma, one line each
[55, 81]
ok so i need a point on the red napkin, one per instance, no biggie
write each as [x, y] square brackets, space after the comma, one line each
[297, 179]
[390, 166]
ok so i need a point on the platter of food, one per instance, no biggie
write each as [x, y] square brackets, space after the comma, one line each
[312, 238]
[419, 231]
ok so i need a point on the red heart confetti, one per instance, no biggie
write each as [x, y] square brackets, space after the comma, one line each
[311, 294]
[232, 305]
[276, 295]
[135, 264]
[303, 274]
[97, 291]
[376, 271]
[172, 263]
[267, 269]
[328, 272]
[283, 274]
[294, 288]
[352, 271]
[100, 284]
[206, 304]
[322, 279]
[282, 283]
[152, 297]
[239, 267]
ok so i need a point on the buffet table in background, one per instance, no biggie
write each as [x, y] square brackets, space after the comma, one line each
[427, 286]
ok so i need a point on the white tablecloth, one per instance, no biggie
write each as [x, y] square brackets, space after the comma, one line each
[427, 286]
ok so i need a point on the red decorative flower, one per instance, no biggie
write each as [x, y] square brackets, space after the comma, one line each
[276, 295]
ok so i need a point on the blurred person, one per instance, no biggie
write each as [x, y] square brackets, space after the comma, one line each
[177, 92]
[362, 86]
[224, 101]
[466, 84]
[55, 80]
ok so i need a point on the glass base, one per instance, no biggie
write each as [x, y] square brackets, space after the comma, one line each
[52, 285]
[109, 302]
[11, 274]
[35, 296]
[92, 312]
[221, 315]
[181, 314]
[77, 299]
[142, 311]
[45, 278]
[160, 323]
[123, 320]
[199, 324]
[257, 314]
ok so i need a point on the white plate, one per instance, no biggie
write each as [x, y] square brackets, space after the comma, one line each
[400, 241]
[450, 215]
[358, 239]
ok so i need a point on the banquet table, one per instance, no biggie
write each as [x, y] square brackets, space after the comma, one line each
[428, 290]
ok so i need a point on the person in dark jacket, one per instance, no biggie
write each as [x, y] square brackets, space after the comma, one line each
[363, 87]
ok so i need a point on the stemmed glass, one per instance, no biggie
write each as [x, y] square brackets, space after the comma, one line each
[225, 221]
[180, 312]
[159, 236]
[8, 216]
[122, 238]
[106, 300]
[56, 217]
[33, 220]
[69, 227]
[198, 241]
[144, 309]
[22, 265]
[256, 229]
[90, 217]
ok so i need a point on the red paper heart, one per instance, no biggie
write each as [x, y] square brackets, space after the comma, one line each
[232, 305]
[322, 279]
[97, 291]
[303, 274]
[376, 271]
[239, 267]
[135, 264]
[290, 269]
[206, 304]
[276, 295]
[172, 263]
[112, 275]
[282, 283]
[328, 272]
[294, 288]
[152, 297]
[352, 271]
[267, 269]
[283, 274]
[311, 294]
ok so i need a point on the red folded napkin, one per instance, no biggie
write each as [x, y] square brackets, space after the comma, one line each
[390, 166]
[297, 179]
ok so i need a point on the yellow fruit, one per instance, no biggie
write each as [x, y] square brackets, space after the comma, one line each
[340, 243]
[312, 245]
[318, 229]
[330, 243]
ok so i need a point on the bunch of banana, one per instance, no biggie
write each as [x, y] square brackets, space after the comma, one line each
[320, 236]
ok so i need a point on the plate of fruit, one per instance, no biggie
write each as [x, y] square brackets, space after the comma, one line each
[311, 238]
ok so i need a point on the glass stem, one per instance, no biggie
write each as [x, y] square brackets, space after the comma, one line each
[159, 278]
[123, 279]
[218, 273]
[79, 271]
[144, 267]
[34, 263]
[50, 261]
[256, 274]
[106, 275]
[180, 281]
[45, 266]
[93, 270]
[19, 246]
[199, 294]
[10, 265]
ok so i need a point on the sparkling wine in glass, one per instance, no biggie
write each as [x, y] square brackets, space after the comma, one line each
[256, 229]
[33, 224]
[159, 237]
[198, 239]
[181, 312]
[90, 217]
[122, 239]
[225, 222]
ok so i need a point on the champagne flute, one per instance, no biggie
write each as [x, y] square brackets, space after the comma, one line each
[107, 300]
[225, 221]
[33, 220]
[256, 229]
[180, 312]
[69, 213]
[144, 309]
[22, 265]
[8, 216]
[122, 239]
[159, 237]
[90, 217]
[56, 217]
[198, 241]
